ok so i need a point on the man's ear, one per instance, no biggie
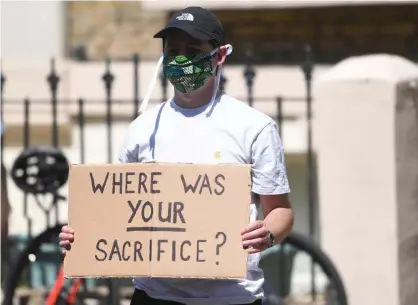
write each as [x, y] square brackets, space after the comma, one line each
[221, 55]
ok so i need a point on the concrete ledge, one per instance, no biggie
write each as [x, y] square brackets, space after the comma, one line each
[39, 134]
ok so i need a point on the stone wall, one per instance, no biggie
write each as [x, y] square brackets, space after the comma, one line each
[366, 135]
[112, 28]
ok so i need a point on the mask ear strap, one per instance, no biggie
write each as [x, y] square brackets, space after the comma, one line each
[229, 49]
[219, 72]
[151, 86]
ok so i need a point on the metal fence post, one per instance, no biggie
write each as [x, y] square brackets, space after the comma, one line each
[136, 85]
[249, 74]
[26, 144]
[53, 81]
[81, 129]
[3, 82]
[108, 79]
[307, 68]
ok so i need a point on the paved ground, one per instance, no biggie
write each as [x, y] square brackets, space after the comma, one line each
[37, 298]
[299, 301]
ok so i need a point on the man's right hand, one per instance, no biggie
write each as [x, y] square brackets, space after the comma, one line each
[66, 239]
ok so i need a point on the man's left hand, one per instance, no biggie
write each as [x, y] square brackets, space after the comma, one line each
[255, 237]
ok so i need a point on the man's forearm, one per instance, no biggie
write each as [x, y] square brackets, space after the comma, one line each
[280, 222]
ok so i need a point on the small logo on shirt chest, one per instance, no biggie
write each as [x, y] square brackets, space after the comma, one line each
[217, 155]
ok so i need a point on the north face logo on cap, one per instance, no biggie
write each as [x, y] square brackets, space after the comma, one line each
[185, 16]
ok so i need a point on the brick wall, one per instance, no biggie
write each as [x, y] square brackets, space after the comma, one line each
[115, 29]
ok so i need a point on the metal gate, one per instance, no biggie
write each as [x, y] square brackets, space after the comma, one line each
[108, 78]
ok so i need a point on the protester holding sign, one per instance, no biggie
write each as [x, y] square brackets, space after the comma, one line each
[200, 124]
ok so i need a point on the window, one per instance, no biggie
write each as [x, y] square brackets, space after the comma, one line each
[277, 36]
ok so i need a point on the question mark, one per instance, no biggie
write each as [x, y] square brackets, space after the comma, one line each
[220, 244]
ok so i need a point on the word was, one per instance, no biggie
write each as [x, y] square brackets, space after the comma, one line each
[203, 183]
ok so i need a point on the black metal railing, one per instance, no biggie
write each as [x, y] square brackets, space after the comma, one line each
[109, 104]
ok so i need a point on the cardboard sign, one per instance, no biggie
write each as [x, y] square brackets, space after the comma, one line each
[158, 220]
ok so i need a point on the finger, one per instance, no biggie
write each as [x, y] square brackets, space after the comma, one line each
[66, 247]
[257, 242]
[66, 236]
[69, 238]
[255, 250]
[64, 252]
[252, 226]
[67, 229]
[64, 243]
[260, 232]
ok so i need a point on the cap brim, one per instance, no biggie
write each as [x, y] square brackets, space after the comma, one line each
[189, 30]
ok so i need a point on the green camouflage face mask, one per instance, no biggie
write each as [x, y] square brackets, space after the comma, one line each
[188, 74]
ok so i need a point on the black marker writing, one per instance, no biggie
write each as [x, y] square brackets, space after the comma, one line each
[147, 211]
[203, 184]
[182, 246]
[122, 253]
[199, 251]
[151, 250]
[126, 183]
[128, 189]
[160, 248]
[98, 186]
[166, 212]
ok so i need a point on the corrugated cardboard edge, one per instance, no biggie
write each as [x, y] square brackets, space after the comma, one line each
[69, 219]
[250, 192]
[150, 277]
[163, 163]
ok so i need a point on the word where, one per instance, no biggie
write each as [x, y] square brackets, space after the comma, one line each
[128, 183]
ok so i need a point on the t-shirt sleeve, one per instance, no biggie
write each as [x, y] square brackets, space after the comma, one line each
[269, 175]
[129, 150]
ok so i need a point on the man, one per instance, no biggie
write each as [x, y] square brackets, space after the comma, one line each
[201, 125]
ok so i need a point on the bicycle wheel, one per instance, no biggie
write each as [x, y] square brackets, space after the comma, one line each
[295, 244]
[28, 257]
[323, 260]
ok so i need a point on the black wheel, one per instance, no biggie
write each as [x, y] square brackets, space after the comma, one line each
[28, 256]
[279, 266]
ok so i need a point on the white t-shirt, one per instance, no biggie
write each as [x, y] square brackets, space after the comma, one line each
[225, 131]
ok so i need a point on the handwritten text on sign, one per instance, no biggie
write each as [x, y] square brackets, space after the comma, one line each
[162, 212]
[158, 220]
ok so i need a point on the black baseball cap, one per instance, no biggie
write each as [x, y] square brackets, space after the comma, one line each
[198, 22]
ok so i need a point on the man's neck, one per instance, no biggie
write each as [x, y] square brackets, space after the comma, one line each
[190, 100]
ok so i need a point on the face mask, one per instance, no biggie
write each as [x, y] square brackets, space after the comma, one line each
[188, 74]
[154, 78]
